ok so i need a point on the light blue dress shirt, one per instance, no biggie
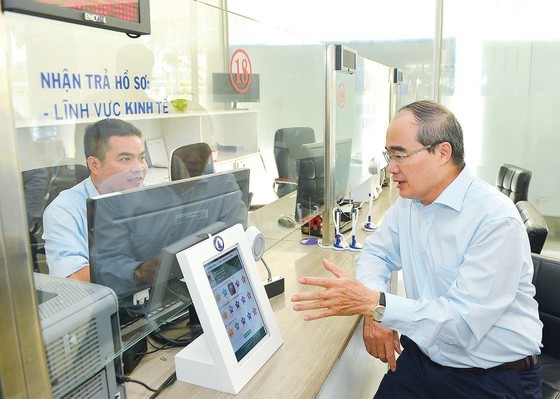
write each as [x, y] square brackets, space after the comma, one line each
[467, 271]
[65, 230]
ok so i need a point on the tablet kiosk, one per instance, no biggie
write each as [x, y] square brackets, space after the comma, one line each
[240, 330]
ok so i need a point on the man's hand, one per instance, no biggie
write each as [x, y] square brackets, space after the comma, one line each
[148, 270]
[342, 296]
[82, 274]
[381, 342]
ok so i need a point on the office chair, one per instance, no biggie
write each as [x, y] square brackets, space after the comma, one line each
[311, 186]
[287, 142]
[41, 186]
[64, 177]
[536, 226]
[513, 181]
[191, 160]
[546, 279]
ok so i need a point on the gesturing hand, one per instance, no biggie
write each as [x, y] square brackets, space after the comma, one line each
[341, 296]
[382, 343]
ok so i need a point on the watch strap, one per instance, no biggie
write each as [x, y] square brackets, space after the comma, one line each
[382, 299]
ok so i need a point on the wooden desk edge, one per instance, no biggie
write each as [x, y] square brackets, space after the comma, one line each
[154, 369]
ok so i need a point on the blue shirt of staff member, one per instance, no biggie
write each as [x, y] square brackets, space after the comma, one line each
[469, 325]
[115, 156]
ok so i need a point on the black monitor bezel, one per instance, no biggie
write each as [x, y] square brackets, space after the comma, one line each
[66, 14]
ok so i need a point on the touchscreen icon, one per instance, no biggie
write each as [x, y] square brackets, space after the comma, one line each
[231, 288]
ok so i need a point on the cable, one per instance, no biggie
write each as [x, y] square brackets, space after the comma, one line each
[168, 382]
[194, 331]
[122, 379]
[267, 270]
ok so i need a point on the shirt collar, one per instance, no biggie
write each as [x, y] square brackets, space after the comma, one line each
[91, 191]
[454, 194]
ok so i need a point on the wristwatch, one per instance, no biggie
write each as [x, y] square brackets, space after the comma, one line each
[137, 273]
[379, 310]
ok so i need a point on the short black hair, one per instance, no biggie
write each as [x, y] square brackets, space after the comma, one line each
[97, 135]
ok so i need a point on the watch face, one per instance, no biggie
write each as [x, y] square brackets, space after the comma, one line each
[378, 313]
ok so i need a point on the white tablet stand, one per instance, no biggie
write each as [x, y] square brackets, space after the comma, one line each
[240, 330]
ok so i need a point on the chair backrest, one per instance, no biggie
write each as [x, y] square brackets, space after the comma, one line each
[36, 184]
[311, 185]
[64, 177]
[547, 280]
[41, 186]
[513, 181]
[191, 160]
[287, 142]
[536, 226]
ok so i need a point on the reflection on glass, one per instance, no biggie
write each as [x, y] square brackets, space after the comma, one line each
[311, 182]
[131, 238]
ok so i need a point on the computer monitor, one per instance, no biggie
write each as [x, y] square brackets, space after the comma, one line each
[311, 180]
[129, 228]
[240, 330]
[224, 91]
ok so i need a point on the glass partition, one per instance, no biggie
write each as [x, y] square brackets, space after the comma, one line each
[505, 91]
[363, 109]
[170, 85]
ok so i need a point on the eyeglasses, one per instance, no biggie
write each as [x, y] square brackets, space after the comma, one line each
[398, 159]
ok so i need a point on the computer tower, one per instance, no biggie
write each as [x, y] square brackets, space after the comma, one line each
[80, 327]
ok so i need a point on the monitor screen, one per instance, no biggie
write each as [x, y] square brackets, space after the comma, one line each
[225, 88]
[140, 227]
[236, 302]
[311, 179]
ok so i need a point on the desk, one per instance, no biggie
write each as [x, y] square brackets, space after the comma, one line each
[310, 350]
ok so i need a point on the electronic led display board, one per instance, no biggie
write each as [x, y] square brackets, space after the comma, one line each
[129, 16]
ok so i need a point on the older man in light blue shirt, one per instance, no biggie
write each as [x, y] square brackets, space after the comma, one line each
[469, 323]
[467, 271]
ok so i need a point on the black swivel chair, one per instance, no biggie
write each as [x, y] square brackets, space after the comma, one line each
[287, 142]
[65, 177]
[191, 160]
[513, 181]
[311, 185]
[546, 279]
[41, 186]
[536, 226]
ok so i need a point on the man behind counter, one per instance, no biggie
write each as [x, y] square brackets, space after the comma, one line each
[115, 156]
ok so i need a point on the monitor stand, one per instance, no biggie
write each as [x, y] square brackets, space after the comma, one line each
[235, 106]
[195, 364]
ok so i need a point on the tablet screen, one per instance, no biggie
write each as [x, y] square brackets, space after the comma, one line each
[236, 302]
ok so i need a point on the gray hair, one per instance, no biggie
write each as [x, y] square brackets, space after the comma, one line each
[436, 124]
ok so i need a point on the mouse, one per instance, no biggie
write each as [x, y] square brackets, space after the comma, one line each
[286, 221]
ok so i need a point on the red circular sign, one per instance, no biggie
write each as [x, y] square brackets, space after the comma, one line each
[240, 71]
[341, 95]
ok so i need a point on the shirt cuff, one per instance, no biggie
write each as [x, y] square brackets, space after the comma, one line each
[70, 266]
[399, 312]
